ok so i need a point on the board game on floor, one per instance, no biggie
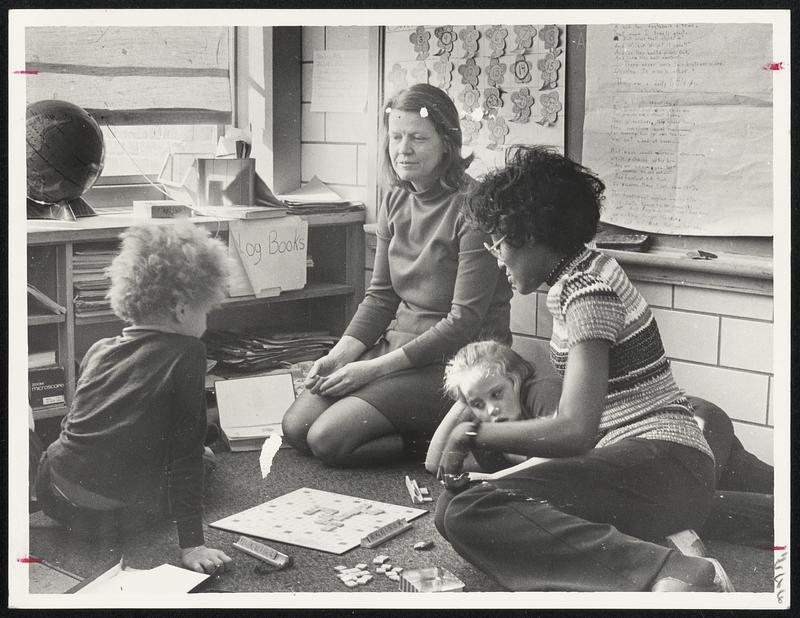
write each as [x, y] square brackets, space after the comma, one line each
[316, 519]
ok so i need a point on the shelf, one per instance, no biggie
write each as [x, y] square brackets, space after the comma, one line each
[46, 318]
[109, 227]
[312, 290]
[49, 412]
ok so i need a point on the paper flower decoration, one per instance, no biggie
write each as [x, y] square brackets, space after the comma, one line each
[497, 40]
[498, 129]
[469, 97]
[522, 102]
[445, 37]
[419, 39]
[469, 129]
[525, 36]
[549, 36]
[397, 78]
[549, 66]
[495, 72]
[522, 70]
[419, 74]
[469, 40]
[491, 101]
[469, 72]
[443, 69]
[550, 106]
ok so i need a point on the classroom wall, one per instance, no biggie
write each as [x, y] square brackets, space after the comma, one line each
[334, 145]
[719, 343]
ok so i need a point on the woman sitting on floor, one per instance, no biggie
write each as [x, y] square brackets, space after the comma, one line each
[629, 463]
[434, 288]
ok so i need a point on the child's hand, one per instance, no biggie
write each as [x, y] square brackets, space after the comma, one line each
[205, 559]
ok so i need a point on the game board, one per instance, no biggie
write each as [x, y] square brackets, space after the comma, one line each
[320, 520]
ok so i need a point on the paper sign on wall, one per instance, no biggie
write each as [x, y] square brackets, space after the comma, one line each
[339, 81]
[269, 256]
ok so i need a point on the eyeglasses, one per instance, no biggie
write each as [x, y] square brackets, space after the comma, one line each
[494, 248]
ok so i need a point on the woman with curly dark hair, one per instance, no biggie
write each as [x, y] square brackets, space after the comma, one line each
[629, 462]
[434, 288]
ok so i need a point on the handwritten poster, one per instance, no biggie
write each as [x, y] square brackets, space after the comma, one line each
[679, 126]
[339, 81]
[268, 256]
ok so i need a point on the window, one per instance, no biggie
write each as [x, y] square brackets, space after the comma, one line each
[151, 89]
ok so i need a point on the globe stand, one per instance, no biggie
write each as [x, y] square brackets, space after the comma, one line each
[65, 210]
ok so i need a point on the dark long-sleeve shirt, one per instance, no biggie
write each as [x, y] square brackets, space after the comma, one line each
[137, 423]
[434, 286]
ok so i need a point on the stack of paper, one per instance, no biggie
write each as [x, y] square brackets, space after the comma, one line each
[316, 197]
[91, 281]
[242, 353]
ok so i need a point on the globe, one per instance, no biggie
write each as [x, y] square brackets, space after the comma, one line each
[65, 152]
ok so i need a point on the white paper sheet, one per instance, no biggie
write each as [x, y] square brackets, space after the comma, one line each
[679, 126]
[339, 81]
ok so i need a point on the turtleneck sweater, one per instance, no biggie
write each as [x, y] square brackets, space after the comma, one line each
[434, 286]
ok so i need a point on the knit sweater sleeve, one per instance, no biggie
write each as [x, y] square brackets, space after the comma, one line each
[380, 302]
[475, 285]
[591, 309]
[185, 459]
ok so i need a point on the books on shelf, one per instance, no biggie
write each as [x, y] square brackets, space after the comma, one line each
[90, 280]
[45, 386]
[44, 358]
[245, 353]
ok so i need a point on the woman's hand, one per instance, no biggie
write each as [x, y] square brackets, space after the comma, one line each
[205, 559]
[346, 350]
[456, 449]
[346, 379]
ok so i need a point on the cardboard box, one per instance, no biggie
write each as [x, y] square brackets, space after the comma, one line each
[209, 181]
[269, 256]
[46, 386]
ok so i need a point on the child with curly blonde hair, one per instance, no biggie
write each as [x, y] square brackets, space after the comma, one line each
[131, 445]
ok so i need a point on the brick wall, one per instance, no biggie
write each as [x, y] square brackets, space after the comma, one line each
[149, 145]
[333, 145]
[719, 343]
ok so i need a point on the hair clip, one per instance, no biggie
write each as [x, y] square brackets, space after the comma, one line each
[388, 110]
[423, 112]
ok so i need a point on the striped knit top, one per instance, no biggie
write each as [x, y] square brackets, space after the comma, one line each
[592, 298]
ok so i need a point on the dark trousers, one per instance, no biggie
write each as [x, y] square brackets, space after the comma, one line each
[584, 523]
[743, 508]
[93, 524]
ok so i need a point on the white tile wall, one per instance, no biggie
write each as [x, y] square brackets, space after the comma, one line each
[361, 170]
[330, 162]
[757, 440]
[537, 351]
[770, 405]
[746, 344]
[344, 127]
[312, 127]
[656, 294]
[523, 314]
[688, 336]
[308, 73]
[741, 394]
[724, 303]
